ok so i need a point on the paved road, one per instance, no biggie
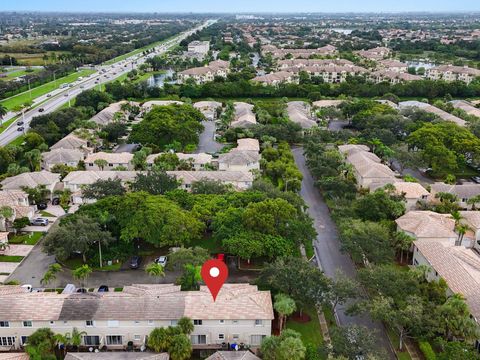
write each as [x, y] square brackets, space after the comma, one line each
[207, 143]
[327, 246]
[104, 74]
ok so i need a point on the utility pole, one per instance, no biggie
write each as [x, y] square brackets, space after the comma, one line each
[100, 252]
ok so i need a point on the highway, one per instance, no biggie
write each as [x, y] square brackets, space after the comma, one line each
[104, 73]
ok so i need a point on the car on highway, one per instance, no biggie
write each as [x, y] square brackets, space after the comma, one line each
[162, 260]
[96, 82]
[81, 86]
[20, 123]
[65, 95]
[41, 110]
[39, 221]
[49, 95]
[20, 129]
[98, 79]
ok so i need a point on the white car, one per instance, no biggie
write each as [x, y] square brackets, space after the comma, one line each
[162, 260]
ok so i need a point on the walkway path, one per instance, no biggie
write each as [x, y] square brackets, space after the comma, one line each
[327, 247]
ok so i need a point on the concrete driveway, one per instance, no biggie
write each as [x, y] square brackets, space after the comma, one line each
[207, 143]
[327, 246]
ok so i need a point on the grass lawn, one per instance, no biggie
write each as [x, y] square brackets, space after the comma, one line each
[18, 141]
[13, 259]
[33, 59]
[21, 98]
[401, 355]
[46, 214]
[7, 123]
[310, 331]
[26, 239]
[14, 74]
[134, 52]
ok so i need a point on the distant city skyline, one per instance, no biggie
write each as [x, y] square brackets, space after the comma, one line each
[242, 6]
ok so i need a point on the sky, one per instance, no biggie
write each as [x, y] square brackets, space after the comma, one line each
[236, 6]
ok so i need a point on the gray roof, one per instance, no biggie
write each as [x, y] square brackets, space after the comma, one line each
[31, 180]
[117, 356]
[239, 157]
[463, 191]
[61, 156]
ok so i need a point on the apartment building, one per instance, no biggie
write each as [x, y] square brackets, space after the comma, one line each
[199, 47]
[112, 161]
[276, 78]
[453, 73]
[299, 53]
[393, 65]
[376, 54]
[331, 73]
[241, 314]
[393, 77]
[205, 74]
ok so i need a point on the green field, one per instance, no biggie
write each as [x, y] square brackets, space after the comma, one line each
[26, 239]
[134, 52]
[310, 331]
[6, 258]
[20, 99]
[14, 74]
[33, 59]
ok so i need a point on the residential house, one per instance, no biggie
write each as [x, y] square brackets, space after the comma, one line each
[198, 161]
[233, 355]
[463, 192]
[17, 200]
[113, 160]
[208, 108]
[68, 157]
[50, 180]
[393, 65]
[428, 225]
[107, 115]
[276, 78]
[432, 109]
[413, 193]
[301, 113]
[148, 105]
[248, 144]
[376, 54]
[472, 220]
[244, 116]
[200, 75]
[240, 180]
[239, 160]
[328, 103]
[466, 106]
[453, 73]
[73, 141]
[141, 355]
[240, 314]
[393, 77]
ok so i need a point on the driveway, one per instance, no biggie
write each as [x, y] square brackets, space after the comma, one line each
[207, 143]
[327, 247]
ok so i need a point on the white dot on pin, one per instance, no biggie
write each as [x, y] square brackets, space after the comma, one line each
[214, 272]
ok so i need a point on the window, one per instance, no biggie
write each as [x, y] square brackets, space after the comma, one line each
[137, 337]
[173, 322]
[235, 337]
[150, 322]
[415, 261]
[24, 339]
[258, 322]
[114, 340]
[27, 323]
[89, 323]
[7, 340]
[197, 322]
[136, 322]
[52, 322]
[4, 324]
[65, 322]
[221, 321]
[221, 336]
[464, 199]
[112, 323]
[256, 339]
[89, 340]
[235, 322]
[198, 339]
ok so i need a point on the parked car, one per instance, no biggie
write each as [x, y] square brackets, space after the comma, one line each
[20, 129]
[103, 288]
[39, 221]
[476, 179]
[55, 201]
[41, 110]
[42, 206]
[135, 262]
[81, 290]
[162, 260]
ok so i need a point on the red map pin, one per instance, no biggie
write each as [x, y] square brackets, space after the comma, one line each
[214, 273]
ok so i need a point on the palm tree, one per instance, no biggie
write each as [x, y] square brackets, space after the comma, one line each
[180, 348]
[82, 273]
[4, 246]
[155, 270]
[101, 163]
[7, 213]
[34, 157]
[402, 242]
[76, 338]
[63, 340]
[3, 112]
[461, 230]
[285, 306]
[51, 274]
[473, 201]
[186, 325]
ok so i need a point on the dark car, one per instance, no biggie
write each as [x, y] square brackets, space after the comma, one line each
[103, 288]
[135, 262]
[41, 110]
[42, 206]
[81, 290]
[55, 201]
[20, 129]
[19, 123]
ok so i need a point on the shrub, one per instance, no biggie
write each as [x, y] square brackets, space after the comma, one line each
[427, 350]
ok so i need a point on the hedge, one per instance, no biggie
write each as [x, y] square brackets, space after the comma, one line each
[427, 350]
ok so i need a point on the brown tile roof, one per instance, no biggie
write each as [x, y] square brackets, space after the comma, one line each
[427, 224]
[117, 356]
[463, 191]
[233, 355]
[31, 179]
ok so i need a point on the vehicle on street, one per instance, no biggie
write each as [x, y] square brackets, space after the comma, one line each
[41, 110]
[65, 95]
[162, 260]
[49, 95]
[81, 290]
[20, 123]
[476, 179]
[55, 201]
[42, 206]
[39, 222]
[103, 288]
[135, 262]
[20, 129]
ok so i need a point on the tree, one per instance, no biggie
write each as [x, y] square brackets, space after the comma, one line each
[208, 187]
[287, 346]
[78, 233]
[189, 281]
[155, 182]
[101, 163]
[51, 274]
[195, 256]
[382, 204]
[285, 306]
[41, 345]
[103, 188]
[353, 342]
[139, 159]
[167, 161]
[342, 289]
[456, 320]
[82, 273]
[6, 213]
[34, 157]
[186, 325]
[180, 347]
[92, 98]
[155, 270]
[159, 340]
[3, 112]
[38, 194]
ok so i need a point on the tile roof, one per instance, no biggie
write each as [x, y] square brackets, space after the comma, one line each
[201, 158]
[239, 157]
[31, 180]
[427, 224]
[244, 115]
[463, 191]
[207, 104]
[412, 190]
[189, 177]
[233, 355]
[105, 116]
[466, 106]
[248, 144]
[117, 356]
[86, 177]
[140, 302]
[299, 112]
[114, 158]
[432, 109]
[275, 77]
[71, 141]
[61, 156]
[328, 103]
[471, 217]
[12, 197]
[148, 105]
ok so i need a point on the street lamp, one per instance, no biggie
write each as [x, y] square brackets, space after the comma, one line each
[29, 88]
